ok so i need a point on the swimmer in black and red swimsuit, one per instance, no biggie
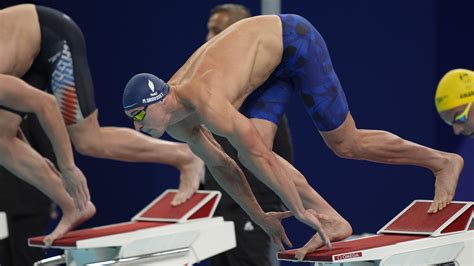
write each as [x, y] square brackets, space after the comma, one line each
[45, 48]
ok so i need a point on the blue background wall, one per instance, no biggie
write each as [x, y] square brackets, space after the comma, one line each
[389, 56]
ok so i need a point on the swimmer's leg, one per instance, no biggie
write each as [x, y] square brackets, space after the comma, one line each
[326, 103]
[347, 141]
[20, 159]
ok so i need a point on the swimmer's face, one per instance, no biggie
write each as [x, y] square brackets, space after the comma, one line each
[464, 125]
[154, 119]
[217, 23]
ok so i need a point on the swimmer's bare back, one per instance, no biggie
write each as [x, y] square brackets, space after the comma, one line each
[20, 38]
[234, 63]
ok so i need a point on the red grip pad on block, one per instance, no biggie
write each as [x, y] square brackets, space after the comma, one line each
[206, 209]
[70, 239]
[345, 247]
[163, 209]
[202, 204]
[460, 223]
[417, 219]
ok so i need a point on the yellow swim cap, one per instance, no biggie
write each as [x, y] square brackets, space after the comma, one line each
[454, 89]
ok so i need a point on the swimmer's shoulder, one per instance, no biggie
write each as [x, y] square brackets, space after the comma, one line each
[192, 94]
[23, 8]
[256, 24]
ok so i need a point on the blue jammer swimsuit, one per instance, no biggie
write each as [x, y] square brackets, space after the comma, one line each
[305, 68]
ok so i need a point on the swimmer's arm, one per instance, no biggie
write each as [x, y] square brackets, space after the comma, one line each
[223, 168]
[18, 95]
[223, 119]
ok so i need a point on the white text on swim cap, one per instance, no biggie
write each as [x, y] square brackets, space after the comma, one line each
[153, 99]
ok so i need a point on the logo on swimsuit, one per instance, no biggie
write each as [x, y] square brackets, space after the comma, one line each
[64, 68]
[53, 58]
[348, 256]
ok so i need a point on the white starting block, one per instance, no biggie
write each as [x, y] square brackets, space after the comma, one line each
[3, 226]
[413, 237]
[159, 235]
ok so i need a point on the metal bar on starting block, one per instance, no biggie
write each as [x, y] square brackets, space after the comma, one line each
[56, 260]
[137, 259]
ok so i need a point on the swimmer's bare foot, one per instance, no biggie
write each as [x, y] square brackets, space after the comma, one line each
[336, 229]
[72, 217]
[446, 181]
[192, 172]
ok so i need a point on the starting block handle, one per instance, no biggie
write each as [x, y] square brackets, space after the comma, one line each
[56, 260]
[137, 259]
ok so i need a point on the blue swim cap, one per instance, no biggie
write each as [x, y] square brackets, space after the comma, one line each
[143, 89]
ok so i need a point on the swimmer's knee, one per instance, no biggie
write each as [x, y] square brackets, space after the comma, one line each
[9, 124]
[346, 228]
[344, 151]
[338, 227]
[81, 147]
[348, 148]
[6, 150]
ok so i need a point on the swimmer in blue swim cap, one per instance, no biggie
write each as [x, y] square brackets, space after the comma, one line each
[238, 85]
[141, 92]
